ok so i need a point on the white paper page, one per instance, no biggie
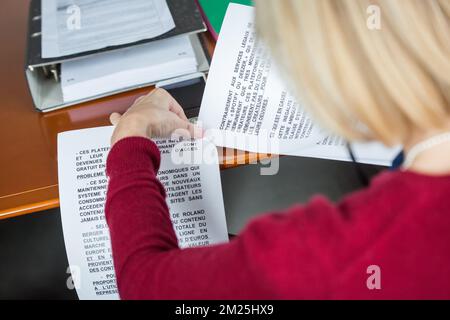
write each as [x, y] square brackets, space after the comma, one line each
[74, 26]
[245, 98]
[334, 148]
[194, 199]
[128, 67]
[247, 106]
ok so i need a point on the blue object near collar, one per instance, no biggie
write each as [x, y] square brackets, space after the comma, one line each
[398, 161]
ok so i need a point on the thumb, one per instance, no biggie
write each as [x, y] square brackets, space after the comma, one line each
[188, 130]
[114, 118]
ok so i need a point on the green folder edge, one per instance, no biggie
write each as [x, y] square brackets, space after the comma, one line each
[214, 12]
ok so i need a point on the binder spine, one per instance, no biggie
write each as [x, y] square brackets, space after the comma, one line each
[33, 51]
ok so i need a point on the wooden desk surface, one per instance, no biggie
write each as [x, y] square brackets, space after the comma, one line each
[28, 165]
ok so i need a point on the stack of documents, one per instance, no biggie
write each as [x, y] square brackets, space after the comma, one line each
[71, 27]
[80, 50]
[197, 211]
[127, 68]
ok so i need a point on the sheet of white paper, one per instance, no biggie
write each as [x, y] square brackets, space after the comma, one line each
[129, 67]
[245, 98]
[194, 199]
[334, 148]
[247, 106]
[74, 26]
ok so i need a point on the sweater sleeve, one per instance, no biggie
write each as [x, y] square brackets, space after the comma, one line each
[149, 264]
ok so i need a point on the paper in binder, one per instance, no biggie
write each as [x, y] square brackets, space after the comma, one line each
[45, 73]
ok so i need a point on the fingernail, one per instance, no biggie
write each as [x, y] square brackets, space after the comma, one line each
[198, 132]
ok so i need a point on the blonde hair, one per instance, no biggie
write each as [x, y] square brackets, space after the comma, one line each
[360, 83]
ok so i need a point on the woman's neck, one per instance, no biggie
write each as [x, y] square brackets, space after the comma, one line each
[432, 161]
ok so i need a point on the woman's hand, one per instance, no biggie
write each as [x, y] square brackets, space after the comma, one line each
[154, 115]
